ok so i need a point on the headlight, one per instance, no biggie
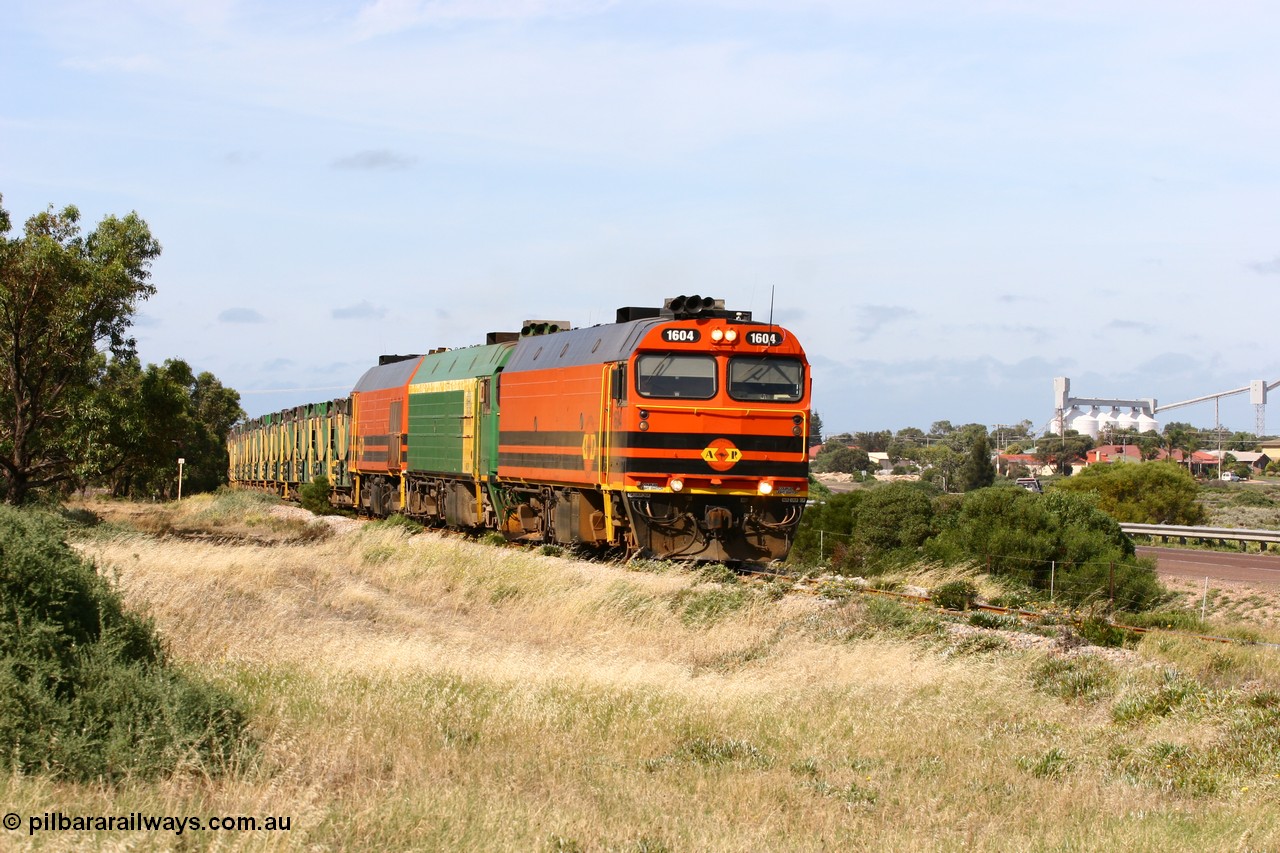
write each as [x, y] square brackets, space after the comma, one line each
[717, 335]
[765, 487]
[677, 484]
[731, 335]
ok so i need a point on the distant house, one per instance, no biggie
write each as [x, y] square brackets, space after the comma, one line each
[1004, 460]
[1256, 460]
[879, 459]
[1027, 459]
[1104, 453]
[1204, 464]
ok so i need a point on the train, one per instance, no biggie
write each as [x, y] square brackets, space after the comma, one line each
[675, 433]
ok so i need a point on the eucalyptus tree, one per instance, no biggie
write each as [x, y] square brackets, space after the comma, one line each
[65, 298]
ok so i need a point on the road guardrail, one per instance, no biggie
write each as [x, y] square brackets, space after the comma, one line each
[1219, 534]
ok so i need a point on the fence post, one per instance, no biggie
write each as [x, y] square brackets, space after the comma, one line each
[1111, 583]
[1204, 602]
[821, 544]
[1053, 569]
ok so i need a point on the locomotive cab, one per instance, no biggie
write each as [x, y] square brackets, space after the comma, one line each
[713, 425]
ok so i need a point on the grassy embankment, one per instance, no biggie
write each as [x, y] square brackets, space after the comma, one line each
[416, 692]
[1252, 504]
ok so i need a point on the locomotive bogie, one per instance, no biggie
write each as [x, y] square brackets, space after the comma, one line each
[720, 528]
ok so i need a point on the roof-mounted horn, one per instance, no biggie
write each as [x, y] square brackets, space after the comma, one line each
[690, 307]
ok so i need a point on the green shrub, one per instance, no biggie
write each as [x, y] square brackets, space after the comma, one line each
[720, 751]
[1100, 632]
[235, 505]
[1252, 497]
[1087, 678]
[1014, 599]
[1170, 620]
[895, 520]
[717, 573]
[399, 522]
[1150, 493]
[314, 496]
[86, 691]
[825, 528]
[867, 531]
[703, 607]
[837, 590]
[994, 621]
[1172, 691]
[977, 644]
[889, 615]
[1057, 539]
[818, 491]
[954, 595]
[1052, 764]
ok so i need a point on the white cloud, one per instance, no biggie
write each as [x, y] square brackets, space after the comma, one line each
[363, 310]
[870, 320]
[375, 160]
[1271, 267]
[241, 315]
[136, 64]
[384, 17]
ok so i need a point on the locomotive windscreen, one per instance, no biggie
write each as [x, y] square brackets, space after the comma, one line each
[676, 375]
[766, 378]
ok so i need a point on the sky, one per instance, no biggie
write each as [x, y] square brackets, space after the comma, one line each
[949, 204]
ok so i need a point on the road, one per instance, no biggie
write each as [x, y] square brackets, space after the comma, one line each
[1221, 565]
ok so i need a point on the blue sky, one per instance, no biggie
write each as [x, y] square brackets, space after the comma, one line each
[951, 202]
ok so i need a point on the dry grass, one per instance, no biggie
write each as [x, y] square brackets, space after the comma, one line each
[1231, 603]
[429, 693]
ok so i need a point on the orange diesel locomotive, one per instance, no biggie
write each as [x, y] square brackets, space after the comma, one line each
[679, 433]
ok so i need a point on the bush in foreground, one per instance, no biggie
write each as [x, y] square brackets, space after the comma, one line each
[314, 496]
[955, 595]
[1058, 545]
[1059, 541]
[867, 531]
[86, 691]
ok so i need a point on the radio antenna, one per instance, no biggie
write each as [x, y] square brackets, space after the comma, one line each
[771, 289]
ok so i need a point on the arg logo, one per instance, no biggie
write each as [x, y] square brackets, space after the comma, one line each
[721, 454]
